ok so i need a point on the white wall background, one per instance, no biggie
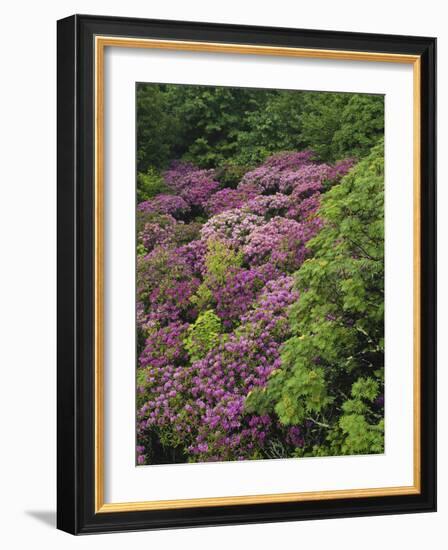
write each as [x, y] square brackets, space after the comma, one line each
[27, 272]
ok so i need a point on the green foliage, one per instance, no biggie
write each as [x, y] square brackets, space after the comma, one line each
[275, 128]
[321, 120]
[226, 128]
[362, 429]
[211, 119]
[332, 367]
[361, 126]
[203, 335]
[156, 128]
[219, 260]
[203, 297]
[150, 184]
[296, 397]
[365, 388]
[361, 437]
[338, 125]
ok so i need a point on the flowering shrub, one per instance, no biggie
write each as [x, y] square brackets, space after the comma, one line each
[165, 283]
[295, 172]
[228, 199]
[203, 405]
[332, 375]
[239, 291]
[232, 227]
[269, 205]
[165, 204]
[215, 286]
[280, 241]
[193, 185]
[267, 176]
[154, 234]
[164, 345]
[193, 255]
[304, 210]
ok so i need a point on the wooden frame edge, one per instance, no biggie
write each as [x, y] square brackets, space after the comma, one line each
[100, 507]
[255, 499]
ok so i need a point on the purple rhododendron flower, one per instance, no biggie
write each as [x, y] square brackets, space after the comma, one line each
[165, 204]
[280, 241]
[192, 184]
[233, 227]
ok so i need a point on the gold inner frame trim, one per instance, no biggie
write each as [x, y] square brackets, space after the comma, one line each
[101, 42]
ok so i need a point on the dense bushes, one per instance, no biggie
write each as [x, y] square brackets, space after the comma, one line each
[214, 312]
[331, 376]
[260, 267]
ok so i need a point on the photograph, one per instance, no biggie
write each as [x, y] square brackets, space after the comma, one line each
[259, 274]
[223, 236]
[246, 257]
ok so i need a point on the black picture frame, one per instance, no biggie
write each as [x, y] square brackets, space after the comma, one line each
[76, 263]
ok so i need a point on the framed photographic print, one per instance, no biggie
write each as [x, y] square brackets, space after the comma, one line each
[246, 274]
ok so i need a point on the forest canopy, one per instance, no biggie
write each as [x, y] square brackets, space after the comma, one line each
[215, 126]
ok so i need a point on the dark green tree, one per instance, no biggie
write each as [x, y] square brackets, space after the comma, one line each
[275, 128]
[341, 125]
[361, 126]
[226, 128]
[156, 128]
[210, 120]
